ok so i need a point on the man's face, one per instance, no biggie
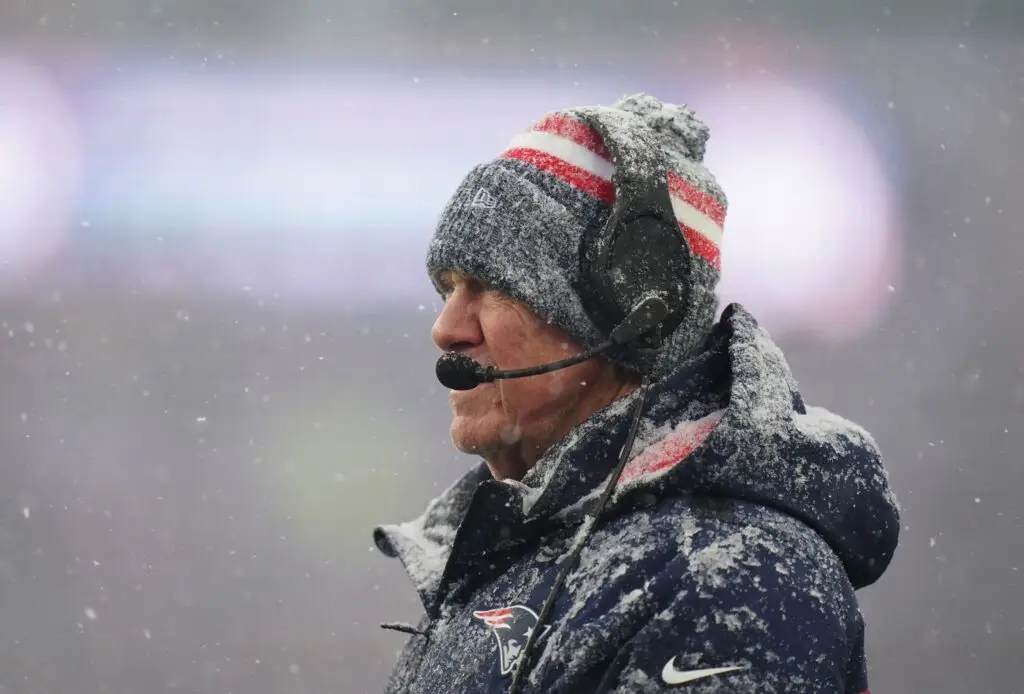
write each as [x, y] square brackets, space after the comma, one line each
[512, 422]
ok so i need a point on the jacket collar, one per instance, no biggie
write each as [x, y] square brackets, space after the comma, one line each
[733, 413]
[479, 516]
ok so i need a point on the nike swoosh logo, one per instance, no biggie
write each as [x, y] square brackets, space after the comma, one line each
[673, 676]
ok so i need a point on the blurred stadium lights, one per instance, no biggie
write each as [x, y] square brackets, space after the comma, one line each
[314, 186]
[296, 158]
[40, 168]
[812, 244]
[324, 186]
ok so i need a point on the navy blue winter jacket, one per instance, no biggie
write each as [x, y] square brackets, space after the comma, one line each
[726, 562]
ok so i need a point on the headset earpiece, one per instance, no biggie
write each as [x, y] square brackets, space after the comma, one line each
[640, 251]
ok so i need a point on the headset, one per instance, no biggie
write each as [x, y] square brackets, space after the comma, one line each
[639, 253]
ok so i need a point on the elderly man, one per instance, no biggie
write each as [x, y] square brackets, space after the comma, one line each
[656, 509]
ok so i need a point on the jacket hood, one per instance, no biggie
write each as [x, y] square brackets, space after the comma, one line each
[729, 423]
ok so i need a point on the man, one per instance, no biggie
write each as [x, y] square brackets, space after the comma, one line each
[719, 551]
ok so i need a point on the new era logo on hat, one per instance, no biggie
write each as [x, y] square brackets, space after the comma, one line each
[483, 198]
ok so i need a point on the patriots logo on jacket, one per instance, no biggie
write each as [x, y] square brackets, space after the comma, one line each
[512, 627]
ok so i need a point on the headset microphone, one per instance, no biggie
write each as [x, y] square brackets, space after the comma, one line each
[458, 372]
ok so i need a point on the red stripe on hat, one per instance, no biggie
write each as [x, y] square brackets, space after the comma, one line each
[588, 138]
[703, 246]
[572, 129]
[589, 183]
[671, 450]
[604, 190]
[703, 202]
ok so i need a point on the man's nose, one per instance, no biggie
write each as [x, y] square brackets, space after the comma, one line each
[457, 328]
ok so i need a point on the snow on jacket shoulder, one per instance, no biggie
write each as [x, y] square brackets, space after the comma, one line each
[726, 562]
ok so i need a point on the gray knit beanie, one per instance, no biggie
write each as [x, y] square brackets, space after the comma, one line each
[516, 222]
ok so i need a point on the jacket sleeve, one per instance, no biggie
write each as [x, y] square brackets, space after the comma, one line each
[757, 620]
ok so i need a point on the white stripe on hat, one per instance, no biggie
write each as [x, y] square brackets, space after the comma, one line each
[566, 150]
[594, 164]
[695, 219]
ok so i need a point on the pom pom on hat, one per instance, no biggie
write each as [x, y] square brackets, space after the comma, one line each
[679, 127]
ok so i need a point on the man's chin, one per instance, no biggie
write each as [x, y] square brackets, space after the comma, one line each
[472, 445]
[475, 439]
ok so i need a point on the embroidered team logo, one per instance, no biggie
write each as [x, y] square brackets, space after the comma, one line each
[512, 627]
[483, 198]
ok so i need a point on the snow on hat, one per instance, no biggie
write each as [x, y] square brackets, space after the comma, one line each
[515, 223]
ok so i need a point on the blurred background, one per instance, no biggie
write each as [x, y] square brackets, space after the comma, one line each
[215, 367]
